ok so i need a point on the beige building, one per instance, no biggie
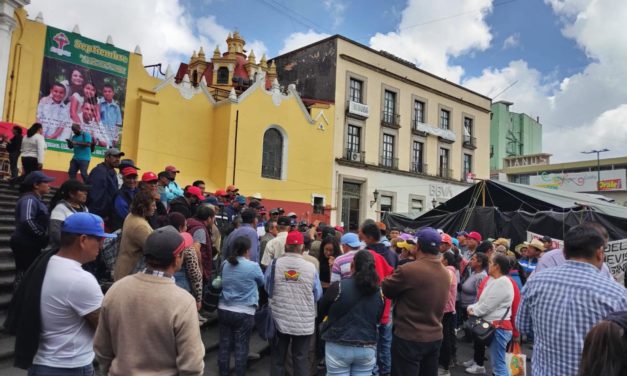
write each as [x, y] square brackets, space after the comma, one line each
[405, 139]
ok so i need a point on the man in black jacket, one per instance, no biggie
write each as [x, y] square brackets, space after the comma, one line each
[14, 148]
[104, 184]
[187, 204]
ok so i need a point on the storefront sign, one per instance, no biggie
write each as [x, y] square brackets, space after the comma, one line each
[611, 180]
[83, 82]
[527, 160]
[440, 191]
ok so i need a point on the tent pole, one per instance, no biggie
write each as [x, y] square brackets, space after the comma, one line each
[483, 193]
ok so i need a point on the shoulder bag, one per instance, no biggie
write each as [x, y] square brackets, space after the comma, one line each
[483, 329]
[211, 297]
[264, 321]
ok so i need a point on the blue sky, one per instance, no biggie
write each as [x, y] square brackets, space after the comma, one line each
[561, 60]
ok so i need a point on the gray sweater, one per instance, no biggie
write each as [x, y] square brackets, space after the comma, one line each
[470, 287]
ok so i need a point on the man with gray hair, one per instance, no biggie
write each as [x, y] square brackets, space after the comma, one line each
[293, 292]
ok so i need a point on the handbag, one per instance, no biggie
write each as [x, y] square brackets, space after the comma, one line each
[516, 361]
[481, 328]
[211, 296]
[264, 321]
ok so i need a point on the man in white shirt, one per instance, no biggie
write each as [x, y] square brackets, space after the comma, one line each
[276, 247]
[70, 301]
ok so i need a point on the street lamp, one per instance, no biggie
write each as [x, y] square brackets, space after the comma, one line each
[375, 194]
[598, 152]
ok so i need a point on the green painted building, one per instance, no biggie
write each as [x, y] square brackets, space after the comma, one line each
[512, 134]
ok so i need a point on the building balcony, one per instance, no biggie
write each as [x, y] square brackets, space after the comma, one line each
[390, 120]
[417, 129]
[445, 173]
[357, 110]
[355, 156]
[419, 168]
[388, 162]
[470, 142]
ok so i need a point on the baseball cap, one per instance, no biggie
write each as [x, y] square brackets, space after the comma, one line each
[284, 221]
[220, 193]
[546, 239]
[241, 200]
[128, 163]
[164, 174]
[149, 176]
[350, 239]
[475, 235]
[274, 212]
[232, 188]
[115, 152]
[129, 171]
[295, 237]
[257, 196]
[163, 244]
[405, 236]
[381, 225]
[172, 169]
[408, 245]
[339, 229]
[85, 224]
[212, 200]
[428, 237]
[455, 242]
[195, 191]
[291, 214]
[36, 177]
[446, 238]
[461, 233]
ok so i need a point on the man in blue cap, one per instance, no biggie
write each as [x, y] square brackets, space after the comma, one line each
[55, 312]
[420, 290]
[341, 268]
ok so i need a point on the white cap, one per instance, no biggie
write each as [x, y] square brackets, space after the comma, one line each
[257, 196]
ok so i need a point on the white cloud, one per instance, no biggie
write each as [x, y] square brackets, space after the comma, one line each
[162, 28]
[166, 32]
[583, 111]
[431, 32]
[511, 41]
[299, 39]
[336, 8]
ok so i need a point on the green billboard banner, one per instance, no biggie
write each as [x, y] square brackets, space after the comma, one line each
[83, 82]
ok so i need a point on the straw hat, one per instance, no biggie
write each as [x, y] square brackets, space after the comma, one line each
[536, 243]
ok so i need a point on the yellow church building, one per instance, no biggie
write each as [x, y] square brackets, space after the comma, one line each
[225, 120]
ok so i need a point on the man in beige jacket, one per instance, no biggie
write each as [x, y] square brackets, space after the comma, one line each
[148, 325]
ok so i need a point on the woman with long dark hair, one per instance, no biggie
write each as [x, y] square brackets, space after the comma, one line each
[69, 199]
[329, 250]
[33, 149]
[236, 308]
[605, 347]
[351, 310]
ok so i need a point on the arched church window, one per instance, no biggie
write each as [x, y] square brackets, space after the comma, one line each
[272, 160]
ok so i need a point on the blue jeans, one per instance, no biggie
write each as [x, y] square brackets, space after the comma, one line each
[349, 360]
[384, 346]
[39, 370]
[180, 278]
[235, 329]
[75, 166]
[497, 349]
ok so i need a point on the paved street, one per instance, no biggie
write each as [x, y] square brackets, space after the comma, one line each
[262, 366]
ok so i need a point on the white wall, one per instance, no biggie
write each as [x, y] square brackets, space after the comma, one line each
[400, 187]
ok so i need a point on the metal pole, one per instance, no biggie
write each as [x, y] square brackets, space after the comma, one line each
[235, 148]
[598, 171]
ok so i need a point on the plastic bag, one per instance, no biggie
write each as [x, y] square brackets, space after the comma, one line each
[516, 361]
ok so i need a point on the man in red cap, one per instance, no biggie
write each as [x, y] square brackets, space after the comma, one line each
[123, 198]
[293, 287]
[187, 204]
[173, 186]
[149, 184]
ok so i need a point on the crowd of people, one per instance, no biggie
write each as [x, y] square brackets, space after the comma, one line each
[126, 269]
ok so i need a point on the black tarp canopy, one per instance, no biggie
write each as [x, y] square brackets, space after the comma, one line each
[499, 209]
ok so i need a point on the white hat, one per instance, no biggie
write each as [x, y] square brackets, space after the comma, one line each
[257, 196]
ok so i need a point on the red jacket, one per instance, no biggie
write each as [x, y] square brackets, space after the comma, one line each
[383, 270]
[511, 324]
